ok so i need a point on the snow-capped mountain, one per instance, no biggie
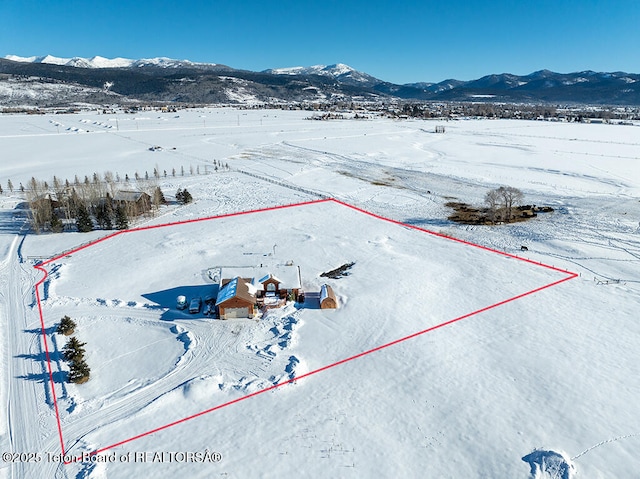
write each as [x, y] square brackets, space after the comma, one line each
[339, 71]
[102, 62]
[168, 80]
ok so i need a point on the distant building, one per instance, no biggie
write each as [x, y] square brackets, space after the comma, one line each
[45, 201]
[136, 202]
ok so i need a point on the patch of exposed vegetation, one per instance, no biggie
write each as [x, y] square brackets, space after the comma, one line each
[339, 272]
[503, 206]
[469, 215]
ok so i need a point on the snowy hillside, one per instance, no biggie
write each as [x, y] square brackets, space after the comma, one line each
[339, 71]
[454, 352]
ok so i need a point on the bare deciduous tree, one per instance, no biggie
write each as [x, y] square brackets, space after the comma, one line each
[501, 202]
[492, 200]
[511, 197]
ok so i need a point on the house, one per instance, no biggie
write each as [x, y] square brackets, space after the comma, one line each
[236, 298]
[136, 202]
[327, 298]
[274, 286]
[244, 289]
[280, 281]
[46, 202]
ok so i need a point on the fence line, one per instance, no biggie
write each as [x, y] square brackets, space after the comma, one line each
[284, 184]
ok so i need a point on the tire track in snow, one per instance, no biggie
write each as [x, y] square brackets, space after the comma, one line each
[25, 410]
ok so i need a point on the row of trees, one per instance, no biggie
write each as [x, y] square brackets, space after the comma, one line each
[73, 353]
[110, 179]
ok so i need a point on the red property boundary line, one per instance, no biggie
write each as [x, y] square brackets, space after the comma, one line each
[41, 267]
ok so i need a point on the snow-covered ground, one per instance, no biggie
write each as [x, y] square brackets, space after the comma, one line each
[542, 386]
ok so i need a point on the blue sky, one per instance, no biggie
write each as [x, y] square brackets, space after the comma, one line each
[399, 41]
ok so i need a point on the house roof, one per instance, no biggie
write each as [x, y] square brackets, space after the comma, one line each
[267, 277]
[326, 292]
[237, 288]
[287, 276]
[132, 196]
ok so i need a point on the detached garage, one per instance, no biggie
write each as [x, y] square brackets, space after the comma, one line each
[327, 298]
[236, 299]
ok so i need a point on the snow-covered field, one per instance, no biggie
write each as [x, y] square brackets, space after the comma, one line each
[542, 386]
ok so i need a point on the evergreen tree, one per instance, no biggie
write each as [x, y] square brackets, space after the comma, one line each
[74, 350]
[56, 223]
[122, 221]
[83, 220]
[10, 186]
[79, 372]
[103, 217]
[183, 196]
[67, 326]
[1, 190]
[158, 197]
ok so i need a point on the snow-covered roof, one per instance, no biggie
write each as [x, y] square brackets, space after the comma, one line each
[326, 292]
[131, 196]
[267, 277]
[287, 276]
[237, 288]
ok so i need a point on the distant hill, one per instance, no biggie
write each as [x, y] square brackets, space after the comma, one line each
[53, 81]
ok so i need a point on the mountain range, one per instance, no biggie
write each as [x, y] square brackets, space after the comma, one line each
[53, 81]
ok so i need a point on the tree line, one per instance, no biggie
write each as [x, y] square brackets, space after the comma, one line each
[91, 204]
[53, 206]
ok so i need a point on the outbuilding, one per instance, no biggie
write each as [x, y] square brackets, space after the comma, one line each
[327, 298]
